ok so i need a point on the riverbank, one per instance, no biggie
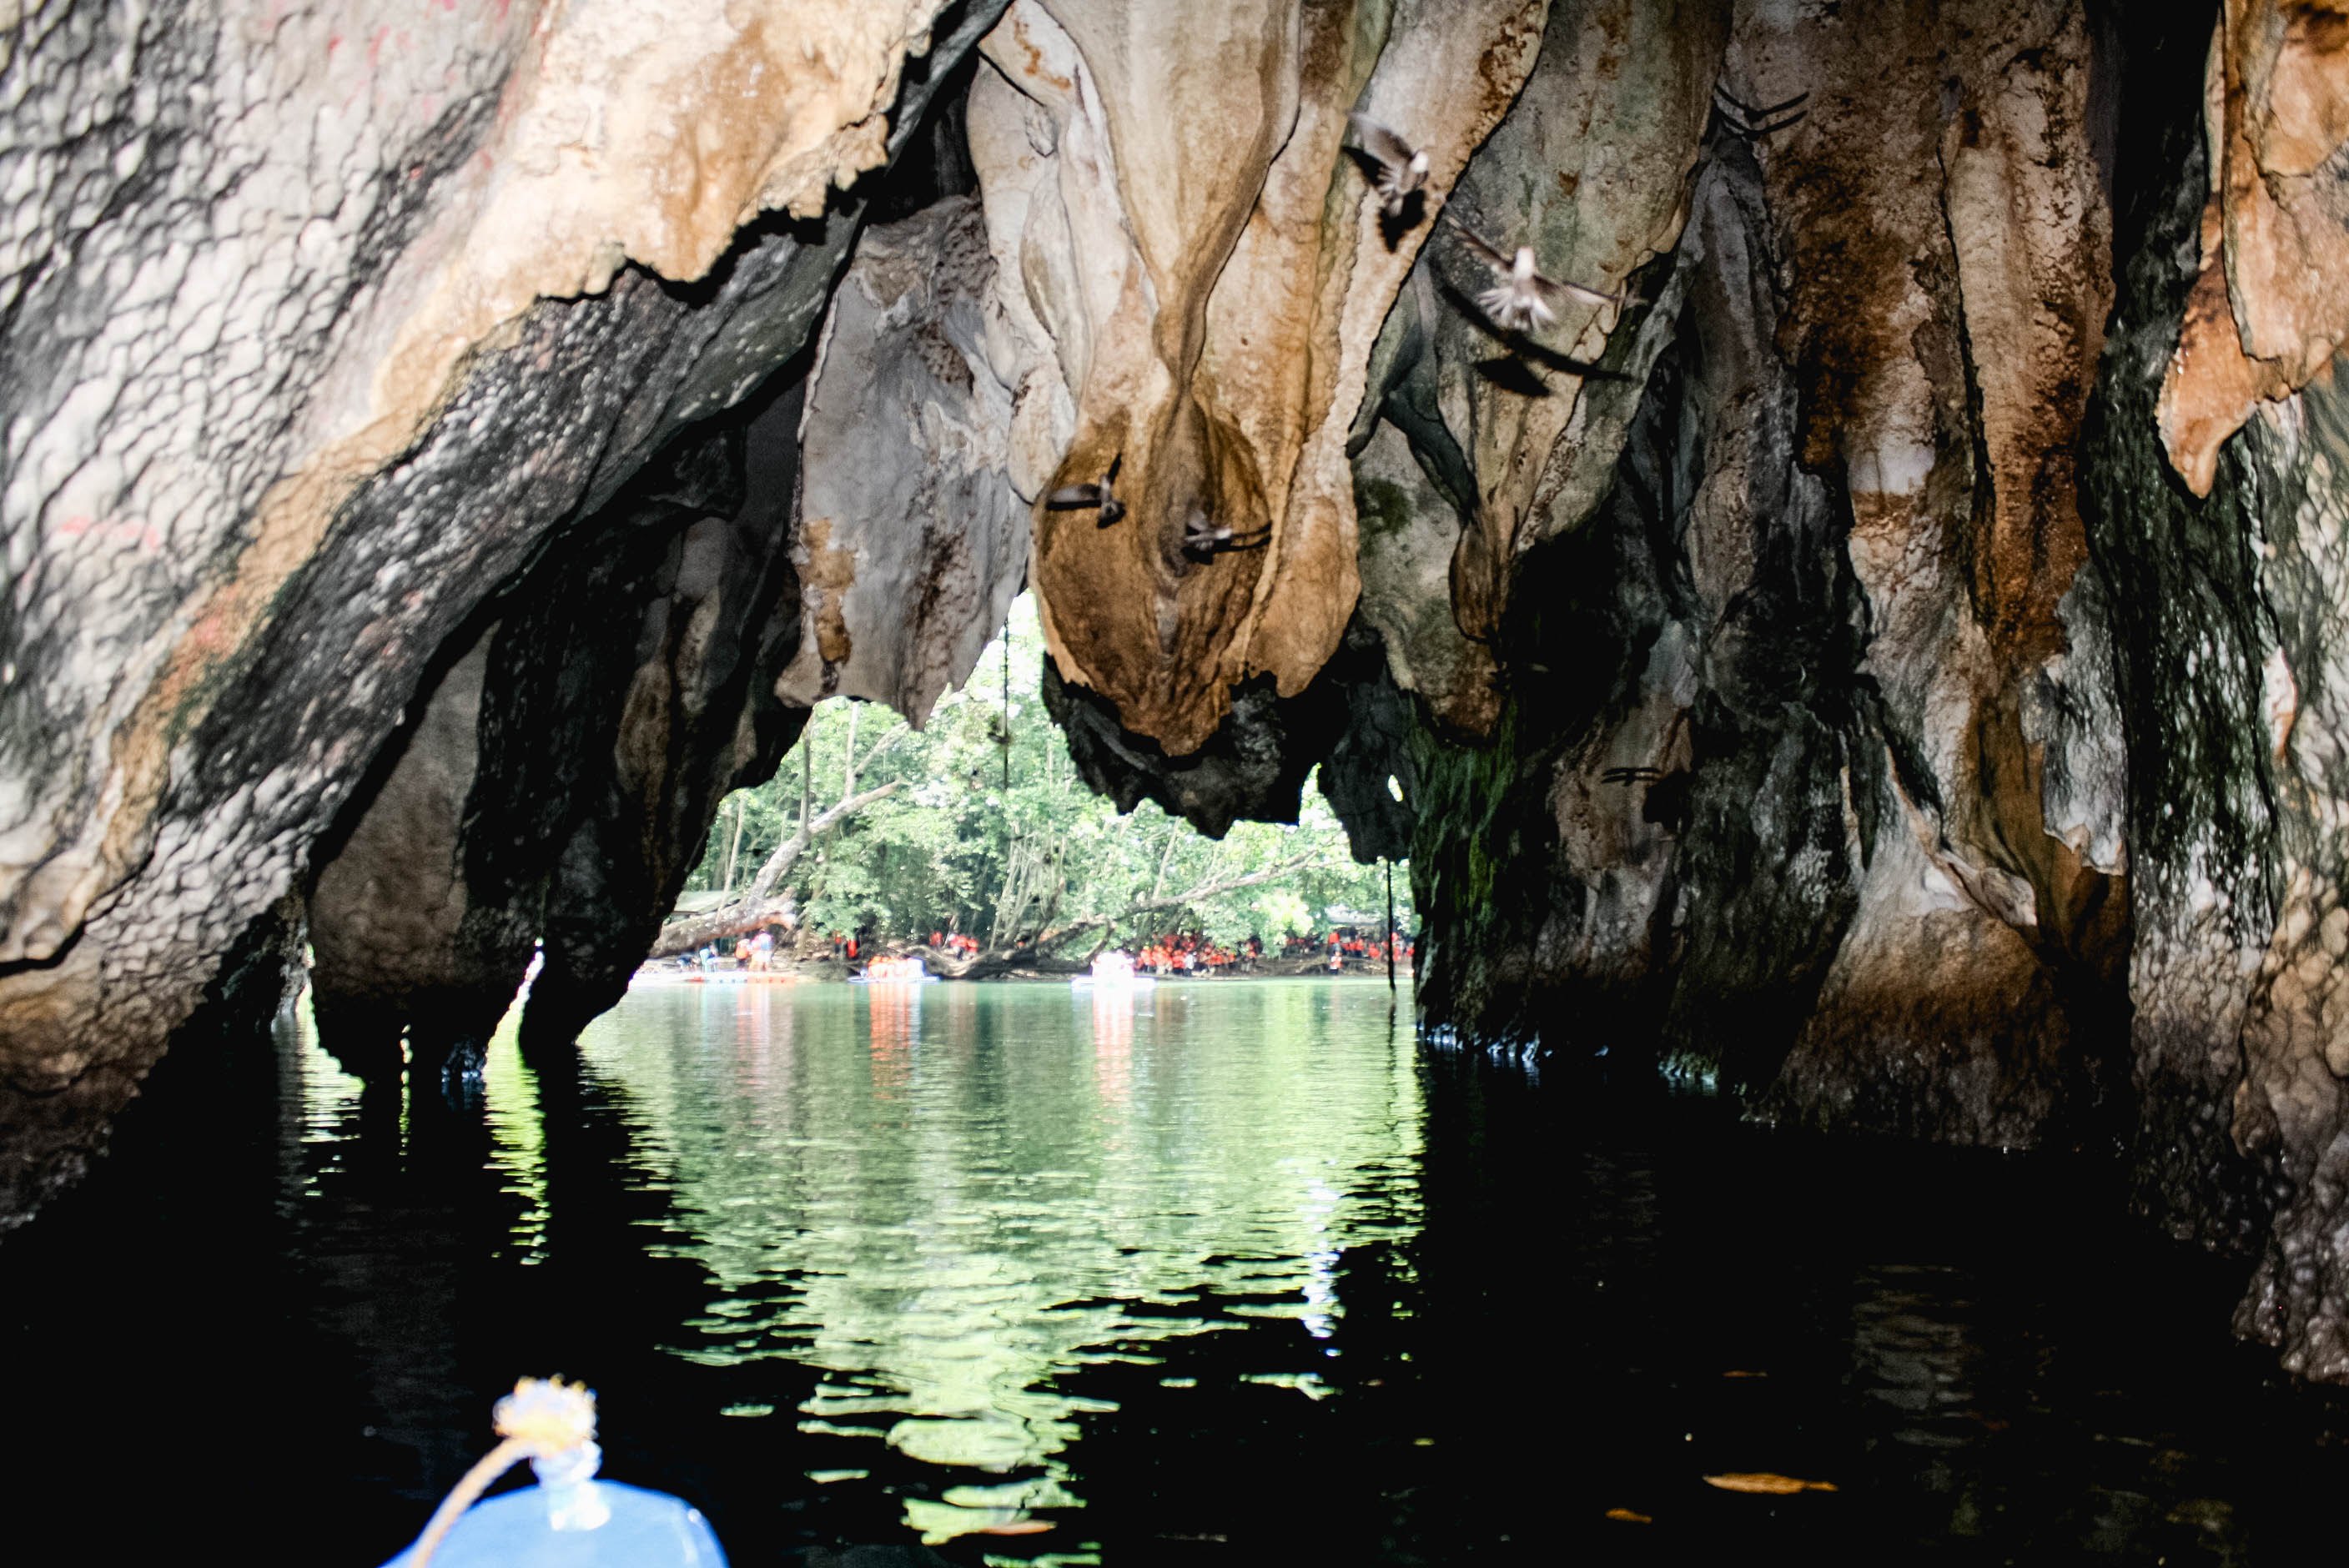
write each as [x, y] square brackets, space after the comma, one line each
[793, 969]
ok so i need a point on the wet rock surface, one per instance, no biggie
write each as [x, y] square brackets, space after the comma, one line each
[363, 424]
[1876, 654]
[1781, 720]
[911, 563]
[398, 946]
[1209, 302]
[2226, 589]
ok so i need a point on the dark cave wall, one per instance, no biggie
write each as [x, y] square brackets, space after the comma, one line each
[1770, 797]
[2180, 581]
[1659, 837]
[2226, 609]
[399, 943]
[642, 667]
[563, 779]
[1956, 825]
[261, 651]
[1883, 666]
[656, 729]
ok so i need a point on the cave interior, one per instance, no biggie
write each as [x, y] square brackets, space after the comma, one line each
[1868, 658]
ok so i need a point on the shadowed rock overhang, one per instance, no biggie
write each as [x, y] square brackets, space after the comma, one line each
[1873, 650]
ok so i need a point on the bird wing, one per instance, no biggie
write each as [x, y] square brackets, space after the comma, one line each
[1493, 255]
[1381, 143]
[1501, 303]
[1557, 294]
[1073, 498]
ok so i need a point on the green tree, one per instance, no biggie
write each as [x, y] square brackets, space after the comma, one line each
[985, 828]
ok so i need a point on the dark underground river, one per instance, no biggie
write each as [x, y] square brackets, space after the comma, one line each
[1231, 1273]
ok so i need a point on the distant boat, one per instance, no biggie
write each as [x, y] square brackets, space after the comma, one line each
[713, 977]
[907, 971]
[1112, 971]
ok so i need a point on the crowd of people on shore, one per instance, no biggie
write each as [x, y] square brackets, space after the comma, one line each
[752, 952]
[1190, 952]
[1193, 953]
[1344, 948]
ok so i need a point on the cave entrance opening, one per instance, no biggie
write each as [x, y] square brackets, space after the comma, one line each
[977, 840]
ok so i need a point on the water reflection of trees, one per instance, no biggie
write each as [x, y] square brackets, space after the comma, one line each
[948, 1197]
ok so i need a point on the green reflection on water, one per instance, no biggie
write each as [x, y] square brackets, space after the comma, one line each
[517, 1133]
[946, 1197]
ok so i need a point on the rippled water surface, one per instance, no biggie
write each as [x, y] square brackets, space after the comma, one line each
[1223, 1274]
[954, 1204]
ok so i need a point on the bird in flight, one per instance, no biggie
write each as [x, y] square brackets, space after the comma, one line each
[1399, 169]
[1753, 123]
[1084, 498]
[1524, 300]
[1204, 540]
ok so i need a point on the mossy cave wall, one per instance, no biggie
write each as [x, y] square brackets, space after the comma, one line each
[1890, 666]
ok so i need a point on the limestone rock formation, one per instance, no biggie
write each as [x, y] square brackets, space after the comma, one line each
[2225, 600]
[1179, 235]
[1831, 564]
[912, 539]
[1953, 404]
[1881, 662]
[317, 333]
[2270, 302]
[397, 942]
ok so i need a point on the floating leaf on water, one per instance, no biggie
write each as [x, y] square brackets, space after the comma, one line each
[1628, 1517]
[1767, 1481]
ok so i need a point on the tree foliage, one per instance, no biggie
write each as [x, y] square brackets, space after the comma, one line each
[952, 847]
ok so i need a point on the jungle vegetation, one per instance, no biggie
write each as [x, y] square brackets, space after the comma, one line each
[978, 822]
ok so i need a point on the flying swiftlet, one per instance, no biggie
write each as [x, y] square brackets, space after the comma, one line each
[1524, 300]
[1401, 169]
[1204, 540]
[1085, 498]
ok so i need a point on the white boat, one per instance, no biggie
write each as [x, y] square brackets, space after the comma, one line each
[1112, 971]
[713, 977]
[1119, 983]
[894, 972]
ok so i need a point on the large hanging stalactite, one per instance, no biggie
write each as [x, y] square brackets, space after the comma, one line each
[1884, 663]
[1201, 309]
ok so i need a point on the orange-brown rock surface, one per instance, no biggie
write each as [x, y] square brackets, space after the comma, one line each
[319, 329]
[1209, 298]
[2271, 302]
[1882, 661]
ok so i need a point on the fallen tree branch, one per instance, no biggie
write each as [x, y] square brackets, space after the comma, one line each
[757, 907]
[738, 919]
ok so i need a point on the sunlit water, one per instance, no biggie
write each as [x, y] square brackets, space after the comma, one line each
[1229, 1273]
[954, 1201]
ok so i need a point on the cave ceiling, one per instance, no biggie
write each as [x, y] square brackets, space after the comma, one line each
[1871, 650]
